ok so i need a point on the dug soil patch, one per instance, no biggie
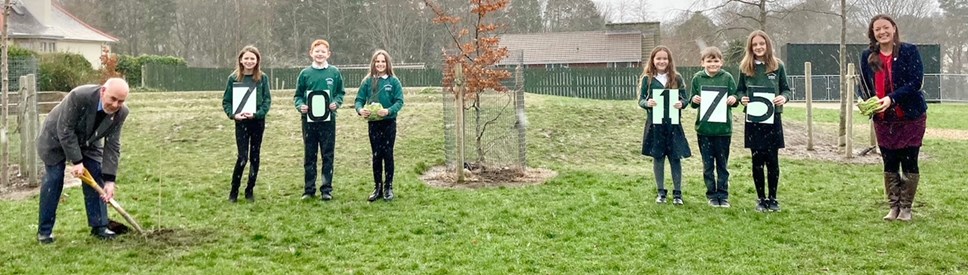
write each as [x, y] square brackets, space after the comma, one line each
[439, 176]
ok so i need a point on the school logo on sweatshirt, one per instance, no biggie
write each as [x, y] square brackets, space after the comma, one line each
[388, 87]
[329, 82]
[771, 76]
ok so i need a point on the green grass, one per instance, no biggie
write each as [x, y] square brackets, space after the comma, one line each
[597, 216]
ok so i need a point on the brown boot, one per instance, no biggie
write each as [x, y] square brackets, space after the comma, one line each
[908, 190]
[892, 188]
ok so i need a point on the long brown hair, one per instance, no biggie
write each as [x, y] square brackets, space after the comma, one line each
[372, 73]
[748, 64]
[650, 71]
[256, 71]
[873, 60]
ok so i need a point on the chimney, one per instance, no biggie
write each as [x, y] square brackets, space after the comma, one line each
[40, 9]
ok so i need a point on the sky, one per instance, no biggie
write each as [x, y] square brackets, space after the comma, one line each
[661, 10]
[665, 10]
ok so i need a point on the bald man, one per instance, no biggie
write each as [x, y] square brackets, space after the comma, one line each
[84, 130]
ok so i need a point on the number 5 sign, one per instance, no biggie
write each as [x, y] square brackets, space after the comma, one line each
[760, 109]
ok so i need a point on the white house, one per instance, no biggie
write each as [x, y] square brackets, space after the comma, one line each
[46, 27]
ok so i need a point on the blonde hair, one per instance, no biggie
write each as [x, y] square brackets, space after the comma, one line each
[748, 64]
[710, 52]
[256, 71]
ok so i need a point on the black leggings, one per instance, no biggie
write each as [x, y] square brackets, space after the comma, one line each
[905, 159]
[770, 159]
[383, 135]
[248, 138]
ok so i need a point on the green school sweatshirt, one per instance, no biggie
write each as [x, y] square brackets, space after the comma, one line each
[263, 100]
[388, 92]
[725, 79]
[776, 80]
[313, 79]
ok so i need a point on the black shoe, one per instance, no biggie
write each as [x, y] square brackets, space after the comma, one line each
[45, 239]
[233, 200]
[724, 203]
[774, 205]
[326, 197]
[761, 205]
[714, 202]
[307, 197]
[377, 192]
[661, 197]
[374, 196]
[103, 233]
[249, 196]
[388, 191]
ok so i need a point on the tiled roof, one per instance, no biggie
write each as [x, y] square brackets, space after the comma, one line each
[573, 47]
[63, 26]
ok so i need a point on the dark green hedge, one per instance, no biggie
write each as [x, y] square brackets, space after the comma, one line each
[130, 66]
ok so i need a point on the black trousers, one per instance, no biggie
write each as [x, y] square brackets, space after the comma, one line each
[715, 154]
[383, 135]
[319, 137]
[248, 140]
[770, 159]
[897, 159]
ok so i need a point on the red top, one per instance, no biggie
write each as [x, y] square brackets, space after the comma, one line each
[882, 78]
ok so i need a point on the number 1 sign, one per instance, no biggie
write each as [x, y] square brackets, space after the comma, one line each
[663, 110]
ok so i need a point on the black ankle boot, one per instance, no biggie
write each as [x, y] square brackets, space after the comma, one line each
[377, 192]
[388, 191]
[248, 192]
[234, 193]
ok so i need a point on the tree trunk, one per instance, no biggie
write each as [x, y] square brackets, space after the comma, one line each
[4, 142]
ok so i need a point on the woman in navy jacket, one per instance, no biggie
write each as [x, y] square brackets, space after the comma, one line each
[892, 71]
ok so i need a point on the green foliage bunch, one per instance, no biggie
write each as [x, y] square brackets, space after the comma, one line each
[15, 51]
[64, 71]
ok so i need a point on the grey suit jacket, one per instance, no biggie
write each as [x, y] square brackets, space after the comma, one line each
[69, 134]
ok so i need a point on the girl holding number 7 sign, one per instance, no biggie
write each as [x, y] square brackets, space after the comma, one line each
[661, 95]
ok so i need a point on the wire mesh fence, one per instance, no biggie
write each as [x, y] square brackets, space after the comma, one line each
[493, 127]
[936, 87]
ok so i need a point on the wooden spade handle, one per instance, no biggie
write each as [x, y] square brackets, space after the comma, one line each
[89, 180]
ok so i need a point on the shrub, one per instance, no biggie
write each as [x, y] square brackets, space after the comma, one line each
[130, 66]
[64, 71]
[17, 52]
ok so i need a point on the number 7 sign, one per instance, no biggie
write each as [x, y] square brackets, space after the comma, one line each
[713, 105]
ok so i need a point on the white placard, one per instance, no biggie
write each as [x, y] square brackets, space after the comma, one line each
[318, 106]
[238, 94]
[664, 109]
[760, 109]
[712, 108]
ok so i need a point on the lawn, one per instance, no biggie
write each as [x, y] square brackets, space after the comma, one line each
[597, 216]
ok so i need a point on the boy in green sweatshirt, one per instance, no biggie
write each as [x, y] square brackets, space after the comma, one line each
[319, 133]
[714, 137]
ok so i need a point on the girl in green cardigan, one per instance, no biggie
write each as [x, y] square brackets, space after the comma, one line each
[248, 126]
[664, 140]
[764, 71]
[379, 100]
